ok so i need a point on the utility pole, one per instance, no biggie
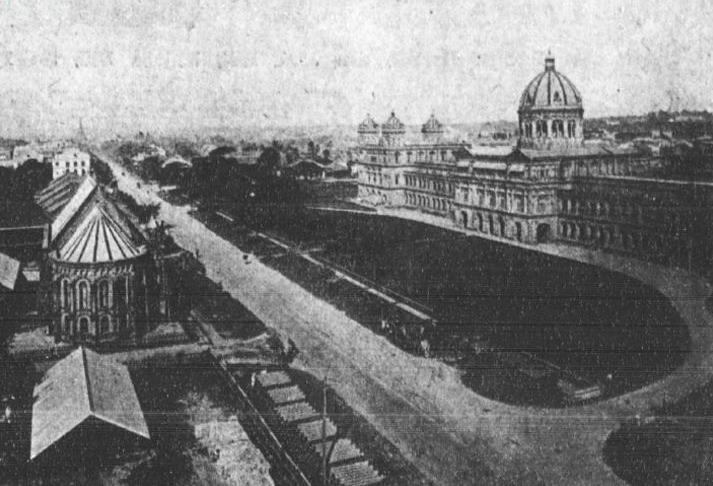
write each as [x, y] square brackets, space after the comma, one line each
[324, 431]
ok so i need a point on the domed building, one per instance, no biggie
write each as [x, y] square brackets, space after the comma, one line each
[102, 284]
[393, 131]
[432, 130]
[550, 111]
[550, 188]
[368, 131]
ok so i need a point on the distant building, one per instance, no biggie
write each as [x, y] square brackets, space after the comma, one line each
[307, 168]
[549, 186]
[71, 160]
[85, 401]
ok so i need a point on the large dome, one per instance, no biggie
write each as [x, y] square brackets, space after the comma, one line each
[550, 90]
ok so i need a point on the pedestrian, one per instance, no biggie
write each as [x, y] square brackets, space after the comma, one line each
[426, 348]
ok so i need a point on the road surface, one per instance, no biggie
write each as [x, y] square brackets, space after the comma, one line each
[452, 434]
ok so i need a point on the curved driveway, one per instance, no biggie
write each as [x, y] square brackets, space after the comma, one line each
[452, 434]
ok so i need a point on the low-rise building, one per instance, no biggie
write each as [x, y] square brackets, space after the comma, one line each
[71, 160]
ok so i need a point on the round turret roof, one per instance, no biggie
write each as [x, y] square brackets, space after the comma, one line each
[393, 125]
[432, 125]
[368, 125]
[550, 90]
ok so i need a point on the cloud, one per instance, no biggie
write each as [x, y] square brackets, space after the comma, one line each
[165, 66]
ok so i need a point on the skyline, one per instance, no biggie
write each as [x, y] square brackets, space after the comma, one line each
[194, 65]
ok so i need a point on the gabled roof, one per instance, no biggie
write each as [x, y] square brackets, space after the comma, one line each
[83, 385]
[99, 238]
[83, 192]
[308, 162]
[9, 271]
[177, 160]
[58, 193]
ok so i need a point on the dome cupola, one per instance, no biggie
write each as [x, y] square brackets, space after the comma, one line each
[393, 130]
[368, 131]
[432, 130]
[550, 111]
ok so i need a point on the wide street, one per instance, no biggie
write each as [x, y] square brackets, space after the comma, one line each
[452, 434]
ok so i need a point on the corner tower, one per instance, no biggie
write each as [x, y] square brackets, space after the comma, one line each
[392, 131]
[550, 113]
[368, 131]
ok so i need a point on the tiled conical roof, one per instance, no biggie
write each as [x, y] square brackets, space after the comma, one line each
[99, 238]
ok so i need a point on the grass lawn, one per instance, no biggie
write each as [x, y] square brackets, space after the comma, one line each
[674, 448]
[587, 320]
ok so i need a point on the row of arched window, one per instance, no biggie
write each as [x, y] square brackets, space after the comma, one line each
[82, 326]
[79, 295]
[628, 211]
[492, 225]
[556, 129]
[412, 156]
[428, 202]
[428, 183]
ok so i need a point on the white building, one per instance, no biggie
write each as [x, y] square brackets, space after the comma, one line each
[70, 160]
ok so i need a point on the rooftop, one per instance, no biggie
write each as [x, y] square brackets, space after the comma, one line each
[9, 271]
[81, 386]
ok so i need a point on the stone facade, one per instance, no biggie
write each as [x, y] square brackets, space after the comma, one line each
[551, 186]
[97, 304]
[101, 280]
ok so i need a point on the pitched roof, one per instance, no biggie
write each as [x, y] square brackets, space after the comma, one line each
[80, 196]
[99, 238]
[9, 271]
[58, 193]
[81, 386]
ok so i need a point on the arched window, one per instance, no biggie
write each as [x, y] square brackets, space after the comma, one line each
[120, 293]
[570, 129]
[66, 294]
[104, 325]
[103, 291]
[83, 294]
[83, 326]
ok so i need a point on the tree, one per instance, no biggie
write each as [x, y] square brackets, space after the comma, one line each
[269, 159]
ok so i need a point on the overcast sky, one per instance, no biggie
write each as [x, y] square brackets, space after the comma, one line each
[166, 66]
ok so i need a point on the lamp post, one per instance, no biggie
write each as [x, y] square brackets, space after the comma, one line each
[324, 430]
